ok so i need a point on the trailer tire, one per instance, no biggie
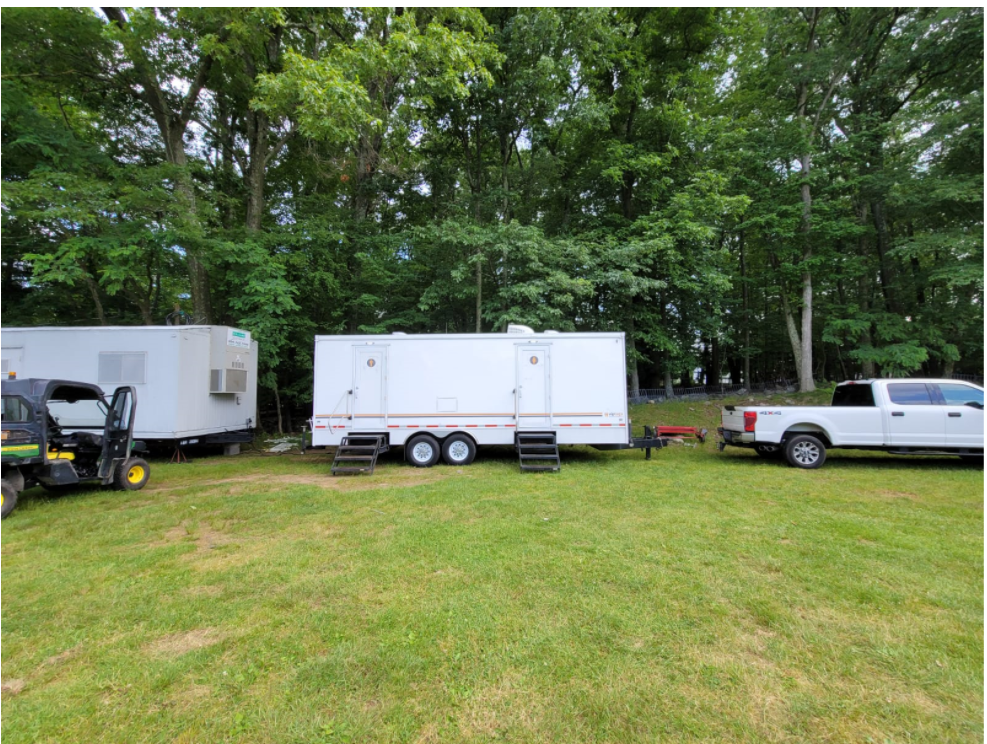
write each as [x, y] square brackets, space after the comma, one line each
[805, 451]
[458, 449]
[131, 474]
[422, 450]
[8, 500]
[769, 451]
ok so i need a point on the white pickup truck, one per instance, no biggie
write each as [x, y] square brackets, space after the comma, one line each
[905, 417]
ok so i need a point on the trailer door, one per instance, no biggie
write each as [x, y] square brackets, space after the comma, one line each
[534, 387]
[369, 387]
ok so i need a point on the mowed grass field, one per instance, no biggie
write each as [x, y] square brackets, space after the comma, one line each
[701, 596]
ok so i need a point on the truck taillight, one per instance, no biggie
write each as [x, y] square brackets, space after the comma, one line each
[750, 418]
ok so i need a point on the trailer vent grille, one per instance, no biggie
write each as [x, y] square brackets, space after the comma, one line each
[227, 381]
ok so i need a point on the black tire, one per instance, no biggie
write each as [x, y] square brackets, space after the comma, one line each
[9, 499]
[805, 451]
[131, 474]
[769, 451]
[974, 461]
[458, 449]
[422, 450]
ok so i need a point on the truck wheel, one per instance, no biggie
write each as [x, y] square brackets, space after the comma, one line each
[458, 450]
[805, 451]
[770, 451]
[422, 451]
[8, 500]
[131, 474]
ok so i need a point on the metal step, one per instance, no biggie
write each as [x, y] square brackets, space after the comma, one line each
[540, 447]
[354, 450]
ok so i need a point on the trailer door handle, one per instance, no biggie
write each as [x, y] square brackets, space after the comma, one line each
[955, 415]
[897, 413]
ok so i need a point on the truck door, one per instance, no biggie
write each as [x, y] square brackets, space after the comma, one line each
[118, 430]
[369, 387]
[964, 406]
[914, 417]
[534, 393]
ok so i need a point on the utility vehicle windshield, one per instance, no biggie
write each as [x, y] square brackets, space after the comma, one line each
[81, 414]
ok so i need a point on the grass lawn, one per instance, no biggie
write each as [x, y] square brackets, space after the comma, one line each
[701, 596]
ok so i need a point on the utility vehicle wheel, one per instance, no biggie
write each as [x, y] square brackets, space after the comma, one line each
[131, 475]
[422, 451]
[805, 451]
[458, 449]
[8, 500]
[975, 461]
[770, 451]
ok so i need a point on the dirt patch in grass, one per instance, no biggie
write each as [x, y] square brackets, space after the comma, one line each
[13, 687]
[897, 495]
[176, 644]
[503, 706]
[388, 478]
[209, 590]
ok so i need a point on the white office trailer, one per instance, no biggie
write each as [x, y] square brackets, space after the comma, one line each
[194, 384]
[445, 394]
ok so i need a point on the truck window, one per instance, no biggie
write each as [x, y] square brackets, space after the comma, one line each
[909, 394]
[961, 395]
[853, 395]
[15, 410]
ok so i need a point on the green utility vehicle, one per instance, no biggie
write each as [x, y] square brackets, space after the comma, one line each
[49, 438]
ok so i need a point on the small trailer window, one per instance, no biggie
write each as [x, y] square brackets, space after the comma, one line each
[910, 394]
[853, 395]
[119, 367]
[16, 410]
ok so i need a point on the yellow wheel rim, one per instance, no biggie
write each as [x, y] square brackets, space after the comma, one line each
[135, 474]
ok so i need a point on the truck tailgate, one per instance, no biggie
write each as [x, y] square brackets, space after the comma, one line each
[733, 418]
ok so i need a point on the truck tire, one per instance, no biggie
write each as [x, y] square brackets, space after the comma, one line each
[805, 451]
[458, 449]
[422, 451]
[8, 500]
[769, 451]
[131, 474]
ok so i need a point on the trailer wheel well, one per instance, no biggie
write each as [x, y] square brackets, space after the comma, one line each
[807, 428]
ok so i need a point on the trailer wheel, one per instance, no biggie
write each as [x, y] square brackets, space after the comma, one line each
[131, 474]
[770, 451]
[805, 451]
[8, 499]
[422, 451]
[458, 449]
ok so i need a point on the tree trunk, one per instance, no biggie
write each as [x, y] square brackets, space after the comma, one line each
[669, 390]
[793, 334]
[745, 297]
[635, 378]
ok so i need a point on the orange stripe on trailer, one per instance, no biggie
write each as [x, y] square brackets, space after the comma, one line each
[393, 426]
[452, 426]
[471, 426]
[491, 426]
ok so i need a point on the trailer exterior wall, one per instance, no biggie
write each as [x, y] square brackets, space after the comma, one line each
[571, 383]
[174, 401]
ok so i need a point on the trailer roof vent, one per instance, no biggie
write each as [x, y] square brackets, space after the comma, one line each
[519, 329]
[554, 333]
[399, 333]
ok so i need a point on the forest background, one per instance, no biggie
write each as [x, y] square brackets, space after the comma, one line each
[748, 193]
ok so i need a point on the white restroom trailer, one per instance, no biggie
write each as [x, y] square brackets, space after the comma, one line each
[194, 384]
[478, 389]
